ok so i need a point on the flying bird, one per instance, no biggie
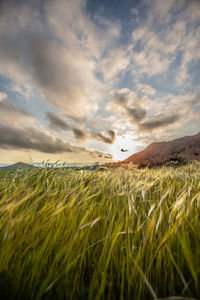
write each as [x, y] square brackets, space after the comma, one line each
[123, 150]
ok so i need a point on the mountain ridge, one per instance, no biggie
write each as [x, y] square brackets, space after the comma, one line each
[184, 148]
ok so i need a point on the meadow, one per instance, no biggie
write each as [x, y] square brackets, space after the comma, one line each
[101, 234]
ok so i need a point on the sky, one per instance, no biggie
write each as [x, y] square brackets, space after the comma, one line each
[82, 80]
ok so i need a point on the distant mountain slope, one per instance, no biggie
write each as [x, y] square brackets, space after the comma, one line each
[187, 147]
[16, 166]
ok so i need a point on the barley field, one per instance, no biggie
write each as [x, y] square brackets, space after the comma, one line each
[101, 234]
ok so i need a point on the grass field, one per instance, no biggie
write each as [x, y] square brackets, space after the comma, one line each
[112, 234]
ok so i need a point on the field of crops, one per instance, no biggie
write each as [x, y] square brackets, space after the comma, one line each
[109, 234]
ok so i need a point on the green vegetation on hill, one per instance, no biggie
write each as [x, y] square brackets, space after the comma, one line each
[114, 234]
[15, 167]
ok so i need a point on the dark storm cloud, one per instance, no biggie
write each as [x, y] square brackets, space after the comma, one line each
[79, 134]
[30, 138]
[108, 137]
[155, 123]
[56, 122]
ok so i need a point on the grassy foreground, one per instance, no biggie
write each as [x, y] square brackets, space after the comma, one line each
[113, 234]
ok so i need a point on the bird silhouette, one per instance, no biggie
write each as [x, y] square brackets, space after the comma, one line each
[123, 150]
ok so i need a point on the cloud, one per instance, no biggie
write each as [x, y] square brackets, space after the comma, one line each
[121, 98]
[32, 139]
[153, 57]
[9, 113]
[134, 11]
[164, 43]
[56, 122]
[108, 137]
[72, 57]
[193, 9]
[79, 134]
[115, 63]
[58, 52]
[146, 89]
[108, 156]
[161, 9]
[97, 154]
[136, 112]
[2, 96]
[155, 123]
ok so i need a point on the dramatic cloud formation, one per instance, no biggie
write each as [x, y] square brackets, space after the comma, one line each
[51, 55]
[23, 137]
[30, 138]
[56, 122]
[98, 75]
[137, 114]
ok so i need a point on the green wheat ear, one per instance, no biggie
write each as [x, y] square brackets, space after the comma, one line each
[102, 234]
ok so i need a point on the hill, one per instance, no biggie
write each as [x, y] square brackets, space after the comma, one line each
[175, 151]
[16, 166]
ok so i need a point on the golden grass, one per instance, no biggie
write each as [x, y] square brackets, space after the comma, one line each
[112, 234]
